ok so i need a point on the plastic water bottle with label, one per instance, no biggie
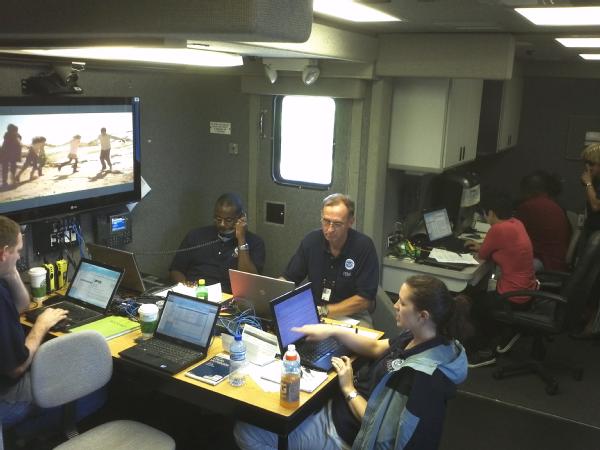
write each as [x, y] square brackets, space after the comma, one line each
[201, 290]
[237, 358]
[289, 394]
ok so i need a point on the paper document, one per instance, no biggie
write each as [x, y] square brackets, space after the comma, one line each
[482, 227]
[451, 257]
[310, 380]
[215, 294]
[261, 347]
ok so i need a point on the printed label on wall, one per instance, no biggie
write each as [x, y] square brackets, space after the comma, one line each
[220, 127]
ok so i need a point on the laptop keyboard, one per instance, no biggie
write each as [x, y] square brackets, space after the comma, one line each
[169, 351]
[313, 351]
[451, 243]
[75, 312]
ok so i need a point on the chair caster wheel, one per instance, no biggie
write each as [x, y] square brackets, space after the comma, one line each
[578, 374]
[552, 389]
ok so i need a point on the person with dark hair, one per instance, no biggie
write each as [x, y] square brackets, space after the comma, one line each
[17, 350]
[214, 249]
[509, 247]
[36, 158]
[10, 153]
[398, 400]
[340, 262]
[545, 221]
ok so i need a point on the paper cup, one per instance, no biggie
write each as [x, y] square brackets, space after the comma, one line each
[37, 280]
[148, 314]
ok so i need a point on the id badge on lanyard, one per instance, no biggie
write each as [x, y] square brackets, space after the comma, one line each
[328, 288]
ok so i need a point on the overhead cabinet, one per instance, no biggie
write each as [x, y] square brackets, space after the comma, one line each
[500, 115]
[434, 123]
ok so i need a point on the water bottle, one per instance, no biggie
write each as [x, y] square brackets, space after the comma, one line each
[289, 395]
[201, 290]
[237, 365]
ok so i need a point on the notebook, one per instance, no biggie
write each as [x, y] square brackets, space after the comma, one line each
[182, 337]
[439, 231]
[258, 290]
[88, 297]
[295, 309]
[132, 278]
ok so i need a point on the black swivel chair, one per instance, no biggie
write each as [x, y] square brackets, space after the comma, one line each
[550, 315]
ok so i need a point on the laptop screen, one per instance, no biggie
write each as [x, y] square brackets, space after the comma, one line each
[187, 319]
[437, 224]
[94, 284]
[294, 310]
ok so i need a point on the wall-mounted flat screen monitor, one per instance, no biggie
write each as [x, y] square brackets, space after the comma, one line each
[65, 155]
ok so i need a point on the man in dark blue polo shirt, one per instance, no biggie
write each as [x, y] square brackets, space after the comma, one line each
[229, 246]
[340, 262]
[16, 349]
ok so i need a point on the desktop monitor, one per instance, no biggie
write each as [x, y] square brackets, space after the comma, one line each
[42, 181]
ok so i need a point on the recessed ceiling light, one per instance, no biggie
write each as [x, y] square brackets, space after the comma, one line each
[590, 56]
[349, 10]
[580, 42]
[562, 16]
[180, 56]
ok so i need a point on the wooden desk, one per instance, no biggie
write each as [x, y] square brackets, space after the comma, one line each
[396, 271]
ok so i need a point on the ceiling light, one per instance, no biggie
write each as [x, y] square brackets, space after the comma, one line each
[271, 73]
[180, 56]
[590, 56]
[562, 16]
[580, 42]
[310, 74]
[349, 10]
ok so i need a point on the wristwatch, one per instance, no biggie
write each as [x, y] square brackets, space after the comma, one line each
[351, 396]
[244, 247]
[323, 310]
[588, 185]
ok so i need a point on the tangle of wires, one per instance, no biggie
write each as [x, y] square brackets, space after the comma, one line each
[240, 317]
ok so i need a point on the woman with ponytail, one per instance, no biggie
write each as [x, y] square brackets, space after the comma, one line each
[399, 400]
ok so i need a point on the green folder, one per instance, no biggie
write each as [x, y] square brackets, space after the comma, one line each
[110, 326]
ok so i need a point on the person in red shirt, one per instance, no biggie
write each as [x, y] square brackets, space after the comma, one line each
[545, 221]
[509, 247]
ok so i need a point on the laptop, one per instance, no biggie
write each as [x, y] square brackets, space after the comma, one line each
[295, 309]
[439, 231]
[182, 337]
[258, 290]
[132, 278]
[88, 297]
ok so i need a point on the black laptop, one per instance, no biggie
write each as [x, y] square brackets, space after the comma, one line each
[295, 309]
[183, 335]
[88, 297]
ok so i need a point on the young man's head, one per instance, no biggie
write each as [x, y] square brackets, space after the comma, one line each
[11, 243]
[497, 207]
[103, 130]
[228, 210]
[591, 159]
[337, 217]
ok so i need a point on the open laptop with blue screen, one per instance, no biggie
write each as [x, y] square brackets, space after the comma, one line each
[183, 335]
[88, 297]
[295, 309]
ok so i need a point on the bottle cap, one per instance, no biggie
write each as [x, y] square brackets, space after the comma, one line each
[238, 337]
[201, 282]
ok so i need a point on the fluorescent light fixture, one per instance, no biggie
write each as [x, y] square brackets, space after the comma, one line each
[562, 16]
[181, 56]
[349, 10]
[590, 56]
[580, 42]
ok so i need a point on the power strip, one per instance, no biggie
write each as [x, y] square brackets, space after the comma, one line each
[53, 235]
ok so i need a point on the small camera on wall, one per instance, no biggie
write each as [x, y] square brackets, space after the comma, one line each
[61, 79]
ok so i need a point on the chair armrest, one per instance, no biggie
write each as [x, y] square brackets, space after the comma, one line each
[534, 294]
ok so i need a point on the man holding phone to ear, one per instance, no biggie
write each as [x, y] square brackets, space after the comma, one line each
[229, 246]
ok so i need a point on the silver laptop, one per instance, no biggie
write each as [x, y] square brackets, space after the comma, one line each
[258, 290]
[132, 278]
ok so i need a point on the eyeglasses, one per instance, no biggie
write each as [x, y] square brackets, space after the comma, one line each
[587, 162]
[330, 223]
[225, 220]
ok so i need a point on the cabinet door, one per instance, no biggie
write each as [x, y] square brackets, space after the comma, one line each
[510, 113]
[462, 122]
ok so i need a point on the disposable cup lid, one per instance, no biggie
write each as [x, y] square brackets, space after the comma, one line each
[148, 309]
[37, 271]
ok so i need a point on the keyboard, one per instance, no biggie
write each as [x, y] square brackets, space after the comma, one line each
[169, 351]
[76, 313]
[313, 351]
[451, 243]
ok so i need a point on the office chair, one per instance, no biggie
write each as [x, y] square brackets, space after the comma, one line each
[384, 316]
[71, 366]
[551, 314]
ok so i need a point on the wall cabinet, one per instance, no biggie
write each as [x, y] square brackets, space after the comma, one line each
[500, 115]
[434, 123]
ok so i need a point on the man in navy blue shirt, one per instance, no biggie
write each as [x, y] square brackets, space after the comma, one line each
[229, 245]
[17, 350]
[340, 262]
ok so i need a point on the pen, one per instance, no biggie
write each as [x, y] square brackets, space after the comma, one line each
[346, 325]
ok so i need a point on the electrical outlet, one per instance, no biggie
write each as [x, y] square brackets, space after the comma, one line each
[233, 148]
